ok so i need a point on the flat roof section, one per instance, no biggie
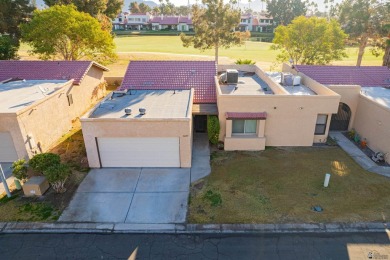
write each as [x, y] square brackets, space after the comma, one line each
[17, 95]
[378, 94]
[299, 90]
[158, 104]
[248, 84]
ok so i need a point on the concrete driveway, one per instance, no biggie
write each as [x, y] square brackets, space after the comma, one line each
[131, 195]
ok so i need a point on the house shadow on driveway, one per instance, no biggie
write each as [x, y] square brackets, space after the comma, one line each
[138, 195]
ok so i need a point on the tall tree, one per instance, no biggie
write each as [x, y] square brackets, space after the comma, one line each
[310, 41]
[214, 26]
[65, 33]
[134, 7]
[284, 11]
[110, 8]
[12, 14]
[362, 20]
[183, 10]
[144, 8]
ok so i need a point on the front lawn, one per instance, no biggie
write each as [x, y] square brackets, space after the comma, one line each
[281, 185]
[49, 206]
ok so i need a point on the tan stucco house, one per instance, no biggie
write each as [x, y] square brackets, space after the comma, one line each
[365, 100]
[150, 121]
[40, 99]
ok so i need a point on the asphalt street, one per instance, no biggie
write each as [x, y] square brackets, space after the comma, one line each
[201, 246]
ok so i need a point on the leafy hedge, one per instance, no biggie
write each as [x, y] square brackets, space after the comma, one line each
[213, 129]
[40, 162]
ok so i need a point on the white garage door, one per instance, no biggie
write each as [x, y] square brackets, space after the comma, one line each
[7, 148]
[139, 152]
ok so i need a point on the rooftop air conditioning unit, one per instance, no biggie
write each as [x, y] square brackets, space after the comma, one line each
[128, 111]
[297, 80]
[287, 79]
[142, 111]
[231, 76]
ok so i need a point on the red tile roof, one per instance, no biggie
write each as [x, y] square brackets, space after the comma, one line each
[49, 70]
[365, 76]
[166, 20]
[246, 115]
[173, 75]
[185, 20]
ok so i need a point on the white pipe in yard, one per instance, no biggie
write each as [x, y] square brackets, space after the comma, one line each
[4, 180]
[327, 178]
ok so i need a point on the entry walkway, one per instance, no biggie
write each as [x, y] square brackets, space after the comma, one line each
[359, 157]
[200, 157]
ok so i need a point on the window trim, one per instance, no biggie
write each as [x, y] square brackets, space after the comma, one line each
[326, 123]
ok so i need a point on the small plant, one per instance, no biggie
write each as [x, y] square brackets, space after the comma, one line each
[363, 143]
[213, 129]
[245, 62]
[351, 133]
[357, 138]
[41, 162]
[57, 175]
[19, 170]
[215, 198]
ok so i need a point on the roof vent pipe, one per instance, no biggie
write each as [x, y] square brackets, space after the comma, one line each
[128, 111]
[142, 111]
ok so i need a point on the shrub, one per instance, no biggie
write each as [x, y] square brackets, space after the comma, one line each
[40, 162]
[245, 62]
[57, 175]
[213, 129]
[214, 198]
[19, 170]
[352, 133]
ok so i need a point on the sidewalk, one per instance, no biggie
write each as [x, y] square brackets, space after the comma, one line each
[359, 157]
[112, 228]
[8, 174]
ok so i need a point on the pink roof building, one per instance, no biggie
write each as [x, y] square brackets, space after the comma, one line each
[365, 76]
[47, 70]
[166, 75]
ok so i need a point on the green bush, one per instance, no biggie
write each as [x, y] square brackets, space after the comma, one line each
[57, 175]
[245, 62]
[213, 129]
[19, 169]
[214, 198]
[40, 162]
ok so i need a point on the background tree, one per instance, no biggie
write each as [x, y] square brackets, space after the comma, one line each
[214, 27]
[134, 7]
[363, 20]
[167, 8]
[310, 41]
[12, 13]
[110, 8]
[183, 10]
[62, 32]
[284, 11]
[144, 8]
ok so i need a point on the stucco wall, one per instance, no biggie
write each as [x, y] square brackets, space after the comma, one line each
[95, 128]
[9, 123]
[49, 119]
[291, 119]
[350, 95]
[372, 122]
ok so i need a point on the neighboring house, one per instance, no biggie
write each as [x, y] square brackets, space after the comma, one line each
[40, 99]
[177, 23]
[134, 21]
[169, 100]
[256, 23]
[365, 100]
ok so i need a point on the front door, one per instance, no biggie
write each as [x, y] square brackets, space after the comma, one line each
[200, 124]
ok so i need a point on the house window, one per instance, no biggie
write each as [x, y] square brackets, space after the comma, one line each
[70, 99]
[321, 124]
[244, 126]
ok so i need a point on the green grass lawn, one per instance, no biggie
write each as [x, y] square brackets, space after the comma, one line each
[171, 48]
[281, 185]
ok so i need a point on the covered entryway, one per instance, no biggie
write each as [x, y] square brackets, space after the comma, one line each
[200, 123]
[7, 148]
[340, 121]
[139, 152]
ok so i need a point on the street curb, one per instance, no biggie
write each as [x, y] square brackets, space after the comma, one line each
[124, 228]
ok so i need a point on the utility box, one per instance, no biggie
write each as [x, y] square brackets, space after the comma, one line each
[36, 186]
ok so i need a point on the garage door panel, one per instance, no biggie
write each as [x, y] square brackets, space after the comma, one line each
[7, 148]
[139, 152]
